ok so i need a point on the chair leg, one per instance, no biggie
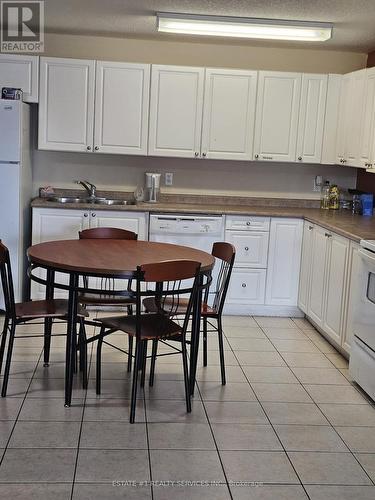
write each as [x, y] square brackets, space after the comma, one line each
[3, 341]
[99, 360]
[8, 360]
[143, 365]
[47, 340]
[204, 341]
[221, 350]
[186, 375]
[83, 352]
[137, 360]
[153, 361]
[130, 353]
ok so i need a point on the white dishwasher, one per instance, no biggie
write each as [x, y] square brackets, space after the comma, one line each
[197, 231]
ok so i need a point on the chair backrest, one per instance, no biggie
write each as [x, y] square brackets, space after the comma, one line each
[109, 233]
[168, 281]
[7, 281]
[225, 253]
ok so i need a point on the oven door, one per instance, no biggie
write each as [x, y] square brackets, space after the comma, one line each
[364, 306]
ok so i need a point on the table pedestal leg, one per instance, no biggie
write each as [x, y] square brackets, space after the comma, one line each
[71, 337]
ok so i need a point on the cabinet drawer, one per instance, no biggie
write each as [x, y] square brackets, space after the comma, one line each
[251, 247]
[243, 223]
[247, 286]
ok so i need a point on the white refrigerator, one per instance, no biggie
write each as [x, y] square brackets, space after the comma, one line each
[15, 189]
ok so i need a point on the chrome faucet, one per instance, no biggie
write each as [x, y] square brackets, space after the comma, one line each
[90, 188]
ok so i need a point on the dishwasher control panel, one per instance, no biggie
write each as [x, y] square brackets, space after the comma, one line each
[180, 224]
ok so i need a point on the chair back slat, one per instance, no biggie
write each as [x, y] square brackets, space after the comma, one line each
[170, 270]
[7, 281]
[107, 233]
[225, 254]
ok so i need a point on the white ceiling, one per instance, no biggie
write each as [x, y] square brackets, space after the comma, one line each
[354, 20]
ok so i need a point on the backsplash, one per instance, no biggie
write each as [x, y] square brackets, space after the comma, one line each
[214, 177]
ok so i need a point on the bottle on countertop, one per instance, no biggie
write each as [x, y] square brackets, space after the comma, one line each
[324, 196]
[334, 197]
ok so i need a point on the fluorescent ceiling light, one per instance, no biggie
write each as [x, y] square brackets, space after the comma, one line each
[242, 27]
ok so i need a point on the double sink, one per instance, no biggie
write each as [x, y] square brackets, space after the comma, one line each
[95, 201]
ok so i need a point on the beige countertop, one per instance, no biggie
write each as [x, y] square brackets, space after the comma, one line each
[351, 226]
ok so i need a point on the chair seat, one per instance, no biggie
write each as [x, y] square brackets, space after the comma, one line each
[150, 306]
[153, 326]
[55, 308]
[107, 300]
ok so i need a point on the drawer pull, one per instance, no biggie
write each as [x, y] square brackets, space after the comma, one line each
[248, 223]
[85, 215]
[311, 228]
[243, 285]
[328, 235]
[247, 249]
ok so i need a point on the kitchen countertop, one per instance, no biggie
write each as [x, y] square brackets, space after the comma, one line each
[344, 223]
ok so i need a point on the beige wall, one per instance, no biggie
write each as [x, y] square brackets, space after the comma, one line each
[190, 176]
[194, 176]
[204, 54]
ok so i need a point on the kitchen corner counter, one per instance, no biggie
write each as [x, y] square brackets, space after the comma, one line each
[354, 227]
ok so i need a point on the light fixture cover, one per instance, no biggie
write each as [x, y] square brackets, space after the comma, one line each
[244, 27]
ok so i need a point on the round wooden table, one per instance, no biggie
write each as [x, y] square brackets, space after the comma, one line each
[111, 259]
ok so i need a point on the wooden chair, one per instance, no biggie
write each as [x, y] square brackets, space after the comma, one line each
[225, 254]
[163, 281]
[20, 313]
[92, 299]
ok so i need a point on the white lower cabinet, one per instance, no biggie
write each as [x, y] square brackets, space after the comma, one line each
[247, 286]
[51, 224]
[327, 282]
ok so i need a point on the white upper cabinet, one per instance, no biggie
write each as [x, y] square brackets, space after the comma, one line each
[276, 122]
[229, 114]
[331, 119]
[121, 108]
[366, 143]
[66, 108]
[176, 111]
[21, 72]
[311, 118]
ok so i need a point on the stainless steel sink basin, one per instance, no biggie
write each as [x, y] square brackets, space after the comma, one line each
[96, 201]
[67, 199]
[109, 201]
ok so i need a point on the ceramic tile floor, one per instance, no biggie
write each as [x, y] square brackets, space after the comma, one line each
[288, 425]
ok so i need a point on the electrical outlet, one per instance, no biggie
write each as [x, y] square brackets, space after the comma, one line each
[318, 181]
[169, 179]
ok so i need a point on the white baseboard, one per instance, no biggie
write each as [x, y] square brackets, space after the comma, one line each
[262, 310]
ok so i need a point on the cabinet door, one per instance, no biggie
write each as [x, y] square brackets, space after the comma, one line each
[66, 107]
[277, 116]
[251, 247]
[335, 286]
[284, 259]
[246, 286]
[304, 277]
[311, 118]
[229, 114]
[317, 278]
[352, 290]
[121, 108]
[52, 225]
[342, 120]
[366, 145]
[355, 117]
[20, 72]
[176, 111]
[132, 221]
[331, 121]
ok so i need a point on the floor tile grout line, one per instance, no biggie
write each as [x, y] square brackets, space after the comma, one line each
[273, 428]
[19, 411]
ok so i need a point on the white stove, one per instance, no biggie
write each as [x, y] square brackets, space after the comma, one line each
[362, 358]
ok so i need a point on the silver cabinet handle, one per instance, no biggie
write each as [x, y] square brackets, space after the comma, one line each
[311, 228]
[204, 155]
[196, 154]
[93, 215]
[328, 235]
[246, 248]
[88, 148]
[300, 158]
[248, 223]
[96, 148]
[256, 157]
[243, 285]
[85, 215]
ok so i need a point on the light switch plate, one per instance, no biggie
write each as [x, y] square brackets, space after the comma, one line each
[169, 179]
